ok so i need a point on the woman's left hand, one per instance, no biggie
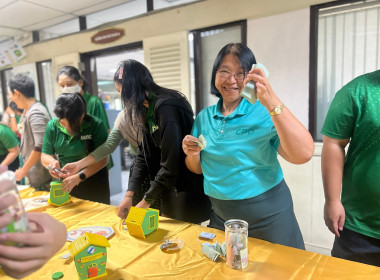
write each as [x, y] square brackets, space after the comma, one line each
[264, 91]
[70, 182]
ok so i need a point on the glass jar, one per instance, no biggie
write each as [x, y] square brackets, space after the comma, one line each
[236, 243]
[9, 191]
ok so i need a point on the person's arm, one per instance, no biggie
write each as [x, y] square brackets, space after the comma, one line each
[37, 122]
[333, 157]
[49, 162]
[72, 181]
[107, 148]
[34, 157]
[46, 239]
[297, 145]
[12, 119]
[193, 155]
[137, 174]
[11, 156]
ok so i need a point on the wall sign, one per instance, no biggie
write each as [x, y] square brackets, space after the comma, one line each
[107, 36]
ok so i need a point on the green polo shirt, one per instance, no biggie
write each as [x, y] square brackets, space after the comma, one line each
[354, 113]
[95, 108]
[73, 148]
[8, 139]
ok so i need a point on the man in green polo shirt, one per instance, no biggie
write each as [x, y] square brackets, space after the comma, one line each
[9, 149]
[352, 209]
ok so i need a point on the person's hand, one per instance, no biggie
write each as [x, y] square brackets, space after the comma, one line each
[265, 93]
[143, 204]
[70, 182]
[9, 111]
[190, 146]
[3, 168]
[71, 168]
[54, 165]
[20, 173]
[334, 216]
[47, 237]
[6, 201]
[124, 207]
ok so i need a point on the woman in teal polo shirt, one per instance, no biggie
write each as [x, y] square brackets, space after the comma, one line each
[242, 175]
[9, 148]
[72, 136]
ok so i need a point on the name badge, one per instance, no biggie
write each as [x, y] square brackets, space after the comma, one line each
[86, 137]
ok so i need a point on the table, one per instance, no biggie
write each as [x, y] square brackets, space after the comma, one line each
[132, 258]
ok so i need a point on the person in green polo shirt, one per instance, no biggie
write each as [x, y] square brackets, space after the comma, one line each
[71, 81]
[9, 149]
[351, 181]
[72, 136]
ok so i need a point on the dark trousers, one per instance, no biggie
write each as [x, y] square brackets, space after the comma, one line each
[357, 247]
[270, 216]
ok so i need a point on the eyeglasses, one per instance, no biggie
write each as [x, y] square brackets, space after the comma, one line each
[227, 74]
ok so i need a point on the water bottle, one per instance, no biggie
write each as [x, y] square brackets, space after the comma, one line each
[9, 191]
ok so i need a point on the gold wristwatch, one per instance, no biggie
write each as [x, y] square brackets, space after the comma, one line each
[277, 110]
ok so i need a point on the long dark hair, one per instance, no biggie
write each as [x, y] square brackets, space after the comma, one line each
[71, 106]
[243, 53]
[73, 73]
[136, 80]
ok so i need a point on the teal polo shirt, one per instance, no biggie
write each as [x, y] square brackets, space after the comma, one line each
[73, 148]
[240, 159]
[8, 139]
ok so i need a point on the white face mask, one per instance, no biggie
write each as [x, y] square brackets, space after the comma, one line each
[72, 89]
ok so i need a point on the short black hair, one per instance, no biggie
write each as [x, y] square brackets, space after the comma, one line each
[73, 73]
[243, 54]
[71, 106]
[24, 84]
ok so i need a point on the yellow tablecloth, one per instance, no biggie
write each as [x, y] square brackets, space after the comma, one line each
[132, 258]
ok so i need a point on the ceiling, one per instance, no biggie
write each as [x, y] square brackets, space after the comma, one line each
[20, 17]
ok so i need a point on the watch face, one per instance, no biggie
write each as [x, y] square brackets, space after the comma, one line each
[277, 110]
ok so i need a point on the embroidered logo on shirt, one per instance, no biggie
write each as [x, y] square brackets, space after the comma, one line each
[86, 137]
[244, 131]
[154, 128]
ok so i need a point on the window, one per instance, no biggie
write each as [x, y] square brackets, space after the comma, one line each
[345, 43]
[204, 46]
[58, 192]
[152, 221]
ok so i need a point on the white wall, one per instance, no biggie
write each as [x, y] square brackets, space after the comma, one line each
[281, 43]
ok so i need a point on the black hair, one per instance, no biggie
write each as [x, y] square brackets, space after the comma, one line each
[71, 106]
[73, 73]
[243, 54]
[14, 107]
[24, 84]
[135, 81]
